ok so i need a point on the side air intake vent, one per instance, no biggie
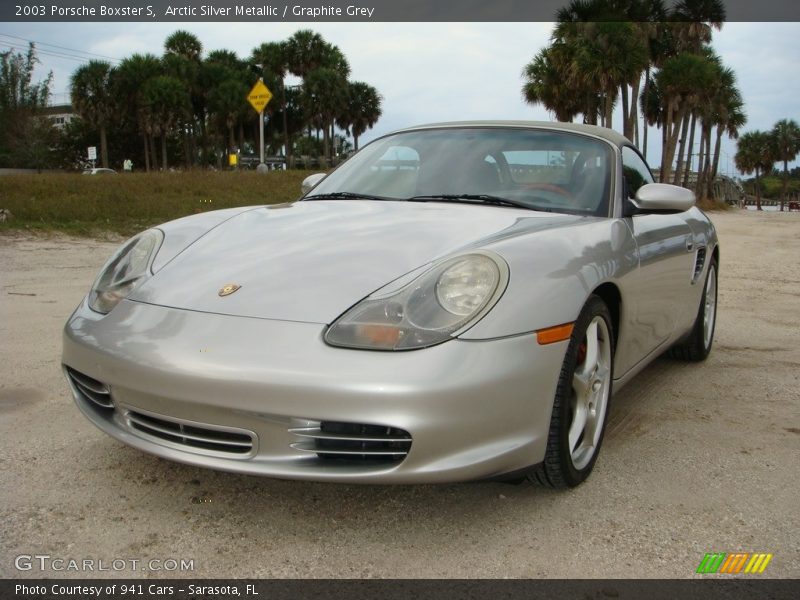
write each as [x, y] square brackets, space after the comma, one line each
[699, 262]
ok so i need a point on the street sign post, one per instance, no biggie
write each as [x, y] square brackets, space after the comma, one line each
[259, 97]
[92, 154]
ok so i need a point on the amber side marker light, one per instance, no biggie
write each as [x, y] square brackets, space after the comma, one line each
[551, 335]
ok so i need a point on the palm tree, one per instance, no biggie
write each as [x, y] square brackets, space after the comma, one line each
[545, 84]
[610, 49]
[362, 111]
[786, 135]
[681, 82]
[184, 44]
[274, 60]
[92, 99]
[166, 103]
[305, 52]
[727, 115]
[693, 21]
[128, 82]
[324, 97]
[226, 80]
[755, 152]
[183, 60]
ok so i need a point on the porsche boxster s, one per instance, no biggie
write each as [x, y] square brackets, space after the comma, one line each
[456, 301]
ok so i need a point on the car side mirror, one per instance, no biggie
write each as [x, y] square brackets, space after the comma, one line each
[310, 182]
[663, 197]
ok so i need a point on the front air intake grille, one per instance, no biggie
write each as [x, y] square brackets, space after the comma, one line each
[699, 263]
[192, 435]
[353, 441]
[89, 389]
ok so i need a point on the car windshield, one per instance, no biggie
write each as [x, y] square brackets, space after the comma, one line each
[538, 169]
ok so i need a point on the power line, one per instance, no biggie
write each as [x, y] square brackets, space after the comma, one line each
[39, 51]
[70, 50]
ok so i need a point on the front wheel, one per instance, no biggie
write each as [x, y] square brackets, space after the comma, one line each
[581, 402]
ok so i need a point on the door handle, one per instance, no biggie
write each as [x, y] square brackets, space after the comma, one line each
[689, 244]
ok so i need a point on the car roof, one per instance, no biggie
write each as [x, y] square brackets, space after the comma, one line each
[602, 132]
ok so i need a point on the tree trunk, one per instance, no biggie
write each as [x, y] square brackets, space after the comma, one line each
[146, 154]
[187, 150]
[633, 118]
[164, 150]
[103, 147]
[681, 164]
[645, 126]
[785, 182]
[204, 140]
[355, 142]
[153, 154]
[326, 148]
[758, 192]
[701, 158]
[707, 180]
[609, 109]
[688, 169]
[664, 135]
[287, 149]
[623, 90]
[671, 130]
[715, 164]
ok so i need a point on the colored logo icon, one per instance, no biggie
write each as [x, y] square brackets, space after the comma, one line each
[734, 563]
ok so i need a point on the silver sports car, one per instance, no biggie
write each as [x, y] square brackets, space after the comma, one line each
[456, 301]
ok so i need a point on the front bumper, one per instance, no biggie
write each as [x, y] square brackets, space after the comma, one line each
[472, 409]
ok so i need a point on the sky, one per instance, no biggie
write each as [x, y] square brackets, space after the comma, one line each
[429, 72]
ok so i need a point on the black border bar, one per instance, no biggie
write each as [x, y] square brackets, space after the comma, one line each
[716, 588]
[335, 10]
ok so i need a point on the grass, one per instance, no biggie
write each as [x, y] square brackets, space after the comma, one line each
[128, 203]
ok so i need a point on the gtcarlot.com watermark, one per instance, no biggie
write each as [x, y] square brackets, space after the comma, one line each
[48, 563]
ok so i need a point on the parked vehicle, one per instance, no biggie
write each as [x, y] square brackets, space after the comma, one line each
[456, 301]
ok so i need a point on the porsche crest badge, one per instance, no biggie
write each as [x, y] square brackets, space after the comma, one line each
[228, 289]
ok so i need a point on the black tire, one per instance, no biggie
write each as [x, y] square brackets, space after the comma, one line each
[560, 469]
[697, 345]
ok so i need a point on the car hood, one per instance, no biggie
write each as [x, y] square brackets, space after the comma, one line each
[311, 261]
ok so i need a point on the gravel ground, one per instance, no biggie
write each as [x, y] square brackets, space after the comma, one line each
[697, 458]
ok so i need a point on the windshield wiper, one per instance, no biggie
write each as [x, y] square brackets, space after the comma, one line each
[482, 198]
[345, 196]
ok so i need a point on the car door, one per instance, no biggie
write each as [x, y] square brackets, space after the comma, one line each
[660, 285]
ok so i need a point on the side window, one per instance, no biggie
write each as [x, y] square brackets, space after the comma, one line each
[635, 171]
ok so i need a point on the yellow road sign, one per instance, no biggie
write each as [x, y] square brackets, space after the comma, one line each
[259, 96]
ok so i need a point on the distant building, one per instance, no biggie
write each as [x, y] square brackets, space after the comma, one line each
[60, 114]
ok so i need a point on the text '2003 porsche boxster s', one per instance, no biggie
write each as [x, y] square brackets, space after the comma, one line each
[456, 301]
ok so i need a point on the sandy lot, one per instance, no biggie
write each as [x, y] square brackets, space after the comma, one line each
[697, 458]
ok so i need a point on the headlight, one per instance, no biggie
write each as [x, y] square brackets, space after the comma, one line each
[435, 307]
[127, 268]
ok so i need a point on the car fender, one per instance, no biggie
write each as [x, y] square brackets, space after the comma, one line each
[552, 273]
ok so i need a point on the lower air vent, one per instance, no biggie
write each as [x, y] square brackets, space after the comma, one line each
[353, 441]
[90, 389]
[193, 435]
[699, 262]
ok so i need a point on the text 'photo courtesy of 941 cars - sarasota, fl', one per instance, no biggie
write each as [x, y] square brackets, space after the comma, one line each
[454, 302]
